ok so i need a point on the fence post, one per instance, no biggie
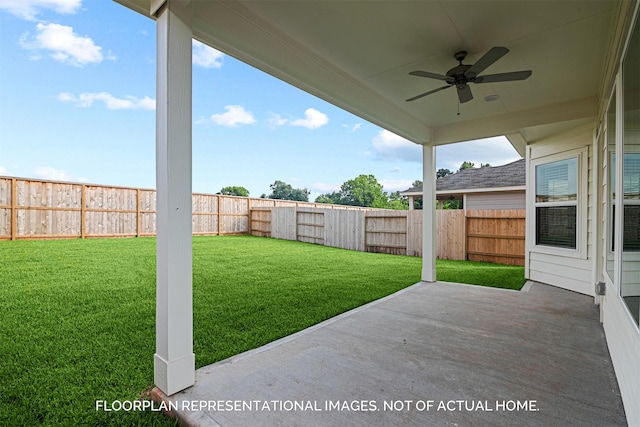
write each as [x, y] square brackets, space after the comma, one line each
[83, 202]
[138, 214]
[249, 215]
[219, 215]
[14, 211]
[466, 236]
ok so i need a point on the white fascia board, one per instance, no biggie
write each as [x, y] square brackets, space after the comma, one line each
[483, 190]
[143, 7]
[518, 142]
[466, 191]
[510, 123]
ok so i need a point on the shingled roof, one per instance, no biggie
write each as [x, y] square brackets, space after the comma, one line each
[509, 175]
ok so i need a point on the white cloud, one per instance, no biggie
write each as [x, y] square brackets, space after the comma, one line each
[389, 146]
[129, 102]
[206, 56]
[395, 170]
[235, 115]
[64, 45]
[352, 128]
[3, 171]
[324, 187]
[313, 119]
[276, 120]
[47, 172]
[391, 185]
[496, 151]
[28, 9]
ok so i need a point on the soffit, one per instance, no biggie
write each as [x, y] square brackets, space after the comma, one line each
[357, 55]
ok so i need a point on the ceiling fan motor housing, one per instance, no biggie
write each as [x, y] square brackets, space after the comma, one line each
[458, 73]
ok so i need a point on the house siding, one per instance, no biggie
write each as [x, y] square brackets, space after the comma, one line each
[623, 335]
[496, 200]
[566, 269]
[623, 340]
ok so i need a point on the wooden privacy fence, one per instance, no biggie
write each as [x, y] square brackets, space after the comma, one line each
[478, 235]
[496, 236]
[450, 238]
[39, 209]
[387, 231]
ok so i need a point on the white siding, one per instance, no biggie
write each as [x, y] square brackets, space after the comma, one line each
[623, 335]
[566, 269]
[496, 200]
[623, 341]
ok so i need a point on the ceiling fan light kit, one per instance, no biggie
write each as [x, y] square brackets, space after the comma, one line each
[461, 75]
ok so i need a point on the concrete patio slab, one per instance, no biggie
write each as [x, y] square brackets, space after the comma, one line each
[434, 354]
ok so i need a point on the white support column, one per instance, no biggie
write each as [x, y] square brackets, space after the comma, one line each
[174, 361]
[411, 203]
[429, 241]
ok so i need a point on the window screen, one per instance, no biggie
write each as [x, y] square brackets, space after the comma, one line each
[556, 203]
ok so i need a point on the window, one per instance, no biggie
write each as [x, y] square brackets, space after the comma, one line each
[556, 203]
[631, 202]
[629, 184]
[631, 199]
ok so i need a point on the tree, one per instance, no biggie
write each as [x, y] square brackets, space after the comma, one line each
[441, 173]
[364, 190]
[234, 191]
[452, 204]
[398, 202]
[485, 165]
[466, 165]
[329, 198]
[282, 190]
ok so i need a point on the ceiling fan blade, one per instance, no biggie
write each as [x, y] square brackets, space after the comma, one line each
[428, 93]
[489, 58]
[503, 77]
[432, 76]
[464, 93]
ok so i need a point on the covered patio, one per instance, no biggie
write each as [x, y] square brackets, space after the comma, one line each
[570, 112]
[433, 354]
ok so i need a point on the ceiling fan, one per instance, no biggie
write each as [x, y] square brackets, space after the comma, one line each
[462, 74]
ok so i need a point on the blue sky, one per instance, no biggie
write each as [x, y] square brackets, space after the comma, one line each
[77, 103]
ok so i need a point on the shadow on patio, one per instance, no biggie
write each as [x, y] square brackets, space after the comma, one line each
[432, 354]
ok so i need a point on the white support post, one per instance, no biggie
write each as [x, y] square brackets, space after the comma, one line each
[411, 203]
[429, 232]
[174, 361]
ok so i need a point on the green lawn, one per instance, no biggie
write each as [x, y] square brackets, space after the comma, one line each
[78, 315]
[481, 273]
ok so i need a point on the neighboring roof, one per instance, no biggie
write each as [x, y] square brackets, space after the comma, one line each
[509, 175]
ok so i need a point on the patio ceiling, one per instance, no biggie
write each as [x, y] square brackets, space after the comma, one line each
[358, 55]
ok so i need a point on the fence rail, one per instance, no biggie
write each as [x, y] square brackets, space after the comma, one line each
[38, 209]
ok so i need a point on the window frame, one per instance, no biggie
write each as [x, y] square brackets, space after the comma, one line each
[581, 156]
